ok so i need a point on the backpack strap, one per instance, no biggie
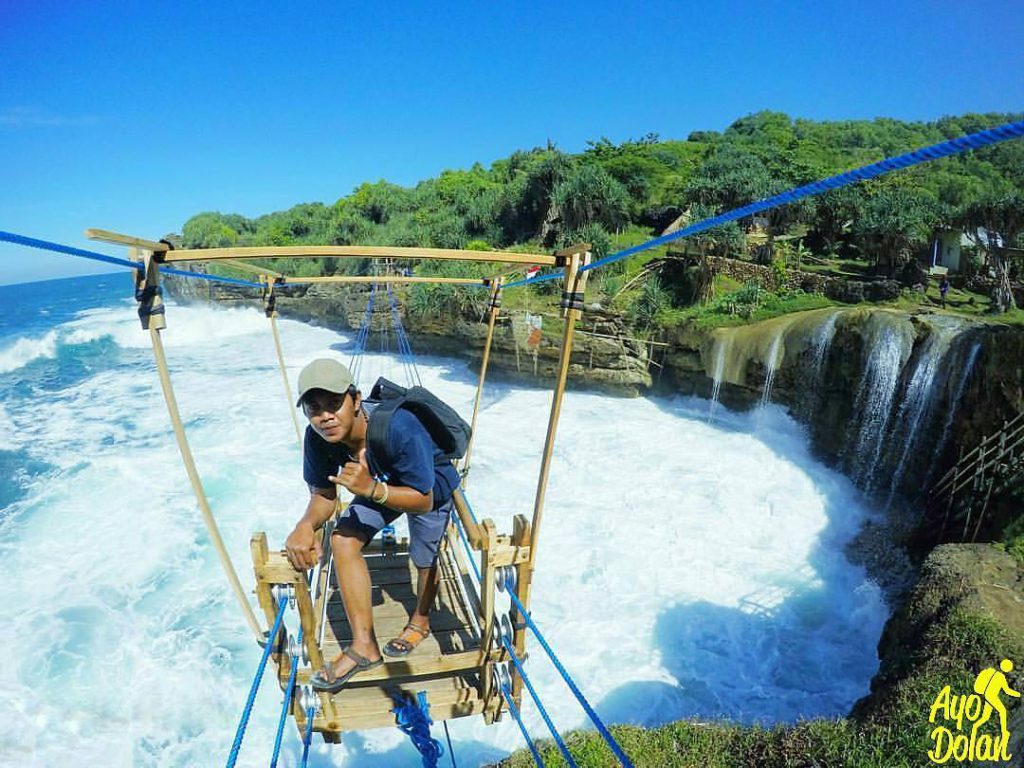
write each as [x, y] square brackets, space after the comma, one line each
[377, 428]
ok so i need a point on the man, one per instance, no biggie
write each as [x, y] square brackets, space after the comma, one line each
[412, 482]
[943, 290]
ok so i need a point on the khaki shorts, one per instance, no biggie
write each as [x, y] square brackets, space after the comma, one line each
[425, 529]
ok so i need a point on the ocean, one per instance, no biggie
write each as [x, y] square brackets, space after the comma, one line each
[685, 569]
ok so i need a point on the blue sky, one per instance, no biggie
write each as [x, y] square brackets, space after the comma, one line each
[133, 116]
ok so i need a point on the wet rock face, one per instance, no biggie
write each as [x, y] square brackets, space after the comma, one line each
[604, 356]
[886, 396]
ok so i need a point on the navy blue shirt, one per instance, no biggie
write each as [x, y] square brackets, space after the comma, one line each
[415, 459]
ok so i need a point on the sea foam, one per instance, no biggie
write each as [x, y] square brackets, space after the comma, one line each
[25, 350]
[684, 569]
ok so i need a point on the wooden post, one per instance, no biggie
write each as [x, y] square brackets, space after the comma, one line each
[265, 598]
[520, 537]
[271, 310]
[572, 302]
[984, 508]
[151, 314]
[495, 304]
[488, 586]
[488, 593]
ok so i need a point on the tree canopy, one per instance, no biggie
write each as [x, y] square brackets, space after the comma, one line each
[543, 197]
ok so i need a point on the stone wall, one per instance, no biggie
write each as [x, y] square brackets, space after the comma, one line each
[848, 291]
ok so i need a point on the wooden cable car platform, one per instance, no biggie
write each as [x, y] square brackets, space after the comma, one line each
[454, 665]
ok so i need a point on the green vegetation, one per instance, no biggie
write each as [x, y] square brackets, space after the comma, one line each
[892, 734]
[616, 195]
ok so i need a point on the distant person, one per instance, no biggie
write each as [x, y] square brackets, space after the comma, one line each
[943, 290]
[414, 481]
[989, 684]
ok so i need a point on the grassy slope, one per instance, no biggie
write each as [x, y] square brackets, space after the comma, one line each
[944, 634]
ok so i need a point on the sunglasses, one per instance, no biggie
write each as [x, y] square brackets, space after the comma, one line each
[329, 402]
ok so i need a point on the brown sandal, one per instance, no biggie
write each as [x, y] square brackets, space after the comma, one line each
[400, 647]
[325, 681]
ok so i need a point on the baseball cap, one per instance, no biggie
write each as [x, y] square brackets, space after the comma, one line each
[324, 373]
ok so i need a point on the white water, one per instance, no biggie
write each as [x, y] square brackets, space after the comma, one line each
[918, 401]
[771, 364]
[719, 352]
[822, 341]
[25, 350]
[684, 569]
[888, 346]
[947, 424]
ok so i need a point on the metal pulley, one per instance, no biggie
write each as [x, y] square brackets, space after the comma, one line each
[308, 699]
[501, 676]
[501, 630]
[505, 575]
[297, 650]
[283, 592]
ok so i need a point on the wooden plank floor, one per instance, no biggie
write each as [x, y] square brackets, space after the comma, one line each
[445, 665]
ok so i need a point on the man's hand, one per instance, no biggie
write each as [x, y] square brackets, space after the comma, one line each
[303, 547]
[355, 476]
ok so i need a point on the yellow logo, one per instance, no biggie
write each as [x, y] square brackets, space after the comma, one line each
[953, 712]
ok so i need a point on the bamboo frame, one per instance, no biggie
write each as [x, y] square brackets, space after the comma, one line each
[272, 568]
[253, 269]
[351, 252]
[383, 279]
[165, 253]
[116, 238]
[269, 305]
[518, 550]
[492, 317]
[284, 377]
[575, 282]
[150, 276]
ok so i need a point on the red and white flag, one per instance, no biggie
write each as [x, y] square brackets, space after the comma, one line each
[532, 272]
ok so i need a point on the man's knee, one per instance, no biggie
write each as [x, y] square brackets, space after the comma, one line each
[347, 544]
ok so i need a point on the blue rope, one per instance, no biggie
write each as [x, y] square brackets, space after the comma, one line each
[46, 245]
[271, 641]
[465, 543]
[519, 721]
[287, 702]
[413, 719]
[397, 326]
[404, 346]
[934, 152]
[356, 363]
[211, 278]
[308, 737]
[540, 707]
[569, 681]
[469, 507]
[448, 738]
[537, 279]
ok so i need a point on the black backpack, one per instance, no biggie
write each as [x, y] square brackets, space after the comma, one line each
[449, 431]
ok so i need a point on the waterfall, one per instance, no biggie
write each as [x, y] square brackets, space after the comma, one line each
[771, 365]
[821, 342]
[718, 355]
[888, 348]
[918, 401]
[965, 375]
